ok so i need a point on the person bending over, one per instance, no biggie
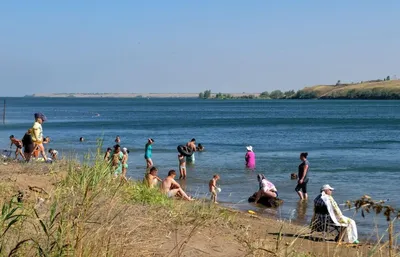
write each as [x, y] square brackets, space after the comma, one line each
[266, 188]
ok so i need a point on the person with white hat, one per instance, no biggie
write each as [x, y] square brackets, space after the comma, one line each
[250, 157]
[325, 204]
[124, 162]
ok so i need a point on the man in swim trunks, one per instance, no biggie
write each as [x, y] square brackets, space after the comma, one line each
[18, 144]
[151, 179]
[192, 146]
[37, 133]
[171, 188]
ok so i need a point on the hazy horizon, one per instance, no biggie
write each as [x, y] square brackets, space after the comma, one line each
[188, 47]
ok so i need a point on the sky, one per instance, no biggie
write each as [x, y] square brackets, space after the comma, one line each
[190, 46]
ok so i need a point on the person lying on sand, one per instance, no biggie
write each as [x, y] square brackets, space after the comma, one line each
[151, 179]
[171, 188]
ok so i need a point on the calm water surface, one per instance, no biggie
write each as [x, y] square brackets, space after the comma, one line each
[353, 145]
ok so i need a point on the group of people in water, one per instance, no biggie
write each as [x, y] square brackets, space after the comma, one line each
[324, 205]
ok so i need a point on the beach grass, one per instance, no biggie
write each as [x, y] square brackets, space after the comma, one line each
[89, 212]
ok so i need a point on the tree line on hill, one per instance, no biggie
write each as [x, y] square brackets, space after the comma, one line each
[358, 93]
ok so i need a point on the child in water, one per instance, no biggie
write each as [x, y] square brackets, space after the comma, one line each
[213, 188]
[182, 166]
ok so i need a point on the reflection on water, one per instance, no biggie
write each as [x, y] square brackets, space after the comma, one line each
[301, 210]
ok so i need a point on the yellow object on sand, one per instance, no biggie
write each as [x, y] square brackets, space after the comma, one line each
[251, 212]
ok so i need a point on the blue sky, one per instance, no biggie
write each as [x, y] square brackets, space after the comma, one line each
[189, 46]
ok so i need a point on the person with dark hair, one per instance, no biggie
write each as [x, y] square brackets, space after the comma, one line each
[191, 145]
[28, 145]
[116, 160]
[18, 144]
[172, 188]
[151, 179]
[117, 140]
[53, 153]
[81, 139]
[200, 148]
[301, 187]
[148, 152]
[266, 188]
[107, 154]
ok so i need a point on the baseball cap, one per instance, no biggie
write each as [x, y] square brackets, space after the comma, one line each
[326, 186]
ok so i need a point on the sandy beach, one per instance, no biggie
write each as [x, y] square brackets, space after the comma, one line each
[115, 223]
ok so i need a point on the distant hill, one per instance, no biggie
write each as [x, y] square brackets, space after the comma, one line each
[365, 90]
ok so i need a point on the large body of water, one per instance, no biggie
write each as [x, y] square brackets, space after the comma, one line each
[352, 145]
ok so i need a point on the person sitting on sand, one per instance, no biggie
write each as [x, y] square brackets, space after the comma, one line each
[324, 204]
[182, 166]
[116, 159]
[18, 144]
[28, 145]
[53, 153]
[124, 162]
[266, 188]
[107, 154]
[213, 188]
[200, 148]
[250, 157]
[151, 179]
[37, 133]
[171, 188]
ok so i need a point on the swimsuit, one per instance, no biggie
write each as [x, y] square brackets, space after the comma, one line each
[147, 152]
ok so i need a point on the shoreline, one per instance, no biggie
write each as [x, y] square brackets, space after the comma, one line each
[219, 230]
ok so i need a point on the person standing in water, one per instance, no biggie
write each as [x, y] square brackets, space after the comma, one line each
[250, 157]
[116, 159]
[124, 161]
[117, 140]
[191, 145]
[148, 153]
[213, 188]
[37, 133]
[182, 166]
[301, 187]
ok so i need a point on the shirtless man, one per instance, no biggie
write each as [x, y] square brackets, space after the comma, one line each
[171, 188]
[151, 179]
[18, 144]
[191, 145]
